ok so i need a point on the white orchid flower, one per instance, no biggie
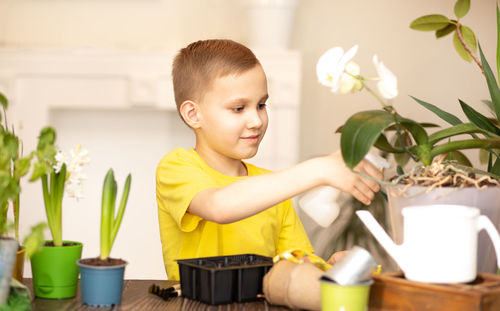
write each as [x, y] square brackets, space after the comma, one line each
[348, 82]
[388, 84]
[331, 68]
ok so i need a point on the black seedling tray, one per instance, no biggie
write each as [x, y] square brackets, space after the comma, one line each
[223, 279]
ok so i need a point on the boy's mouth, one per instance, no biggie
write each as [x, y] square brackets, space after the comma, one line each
[252, 138]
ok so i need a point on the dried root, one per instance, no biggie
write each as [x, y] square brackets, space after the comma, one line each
[444, 174]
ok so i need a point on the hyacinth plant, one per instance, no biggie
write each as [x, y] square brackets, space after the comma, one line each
[111, 221]
[59, 173]
[410, 139]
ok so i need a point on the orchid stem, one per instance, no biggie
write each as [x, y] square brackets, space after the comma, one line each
[380, 100]
[467, 48]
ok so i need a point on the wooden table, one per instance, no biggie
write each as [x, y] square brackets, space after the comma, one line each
[136, 297]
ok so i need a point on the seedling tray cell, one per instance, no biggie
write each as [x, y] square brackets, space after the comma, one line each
[223, 279]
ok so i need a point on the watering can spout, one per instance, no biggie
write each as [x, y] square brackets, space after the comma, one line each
[378, 232]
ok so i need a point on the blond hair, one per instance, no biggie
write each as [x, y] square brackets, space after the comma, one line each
[196, 66]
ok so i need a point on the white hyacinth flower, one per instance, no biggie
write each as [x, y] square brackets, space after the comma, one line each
[331, 67]
[74, 170]
[60, 160]
[388, 84]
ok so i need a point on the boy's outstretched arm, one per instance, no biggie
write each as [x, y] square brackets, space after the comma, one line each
[252, 195]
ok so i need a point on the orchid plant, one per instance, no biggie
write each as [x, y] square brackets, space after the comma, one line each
[59, 173]
[466, 45]
[366, 129]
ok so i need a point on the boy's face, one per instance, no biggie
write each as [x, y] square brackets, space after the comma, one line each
[233, 116]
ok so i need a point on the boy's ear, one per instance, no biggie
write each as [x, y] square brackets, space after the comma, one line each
[190, 111]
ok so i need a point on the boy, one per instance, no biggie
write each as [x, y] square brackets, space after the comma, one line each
[210, 202]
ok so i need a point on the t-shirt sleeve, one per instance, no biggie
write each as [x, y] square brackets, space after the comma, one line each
[178, 180]
[292, 234]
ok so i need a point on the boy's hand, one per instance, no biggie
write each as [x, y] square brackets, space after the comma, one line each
[337, 257]
[338, 175]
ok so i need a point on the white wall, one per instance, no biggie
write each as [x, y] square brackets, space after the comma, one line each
[427, 68]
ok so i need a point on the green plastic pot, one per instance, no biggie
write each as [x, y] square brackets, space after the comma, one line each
[55, 272]
[335, 297]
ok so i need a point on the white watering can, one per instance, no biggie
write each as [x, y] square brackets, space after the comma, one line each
[440, 242]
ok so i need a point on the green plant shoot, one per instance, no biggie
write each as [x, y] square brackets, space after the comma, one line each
[109, 222]
[53, 191]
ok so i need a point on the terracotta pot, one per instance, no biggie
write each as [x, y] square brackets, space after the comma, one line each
[487, 200]
[19, 266]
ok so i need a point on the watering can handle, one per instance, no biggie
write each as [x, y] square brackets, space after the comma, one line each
[486, 224]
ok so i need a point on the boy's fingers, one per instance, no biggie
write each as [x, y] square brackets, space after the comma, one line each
[360, 196]
[372, 170]
[336, 257]
[372, 184]
[365, 190]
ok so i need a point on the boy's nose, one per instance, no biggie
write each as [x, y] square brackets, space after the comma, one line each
[254, 120]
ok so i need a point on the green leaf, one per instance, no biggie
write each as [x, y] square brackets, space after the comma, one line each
[34, 242]
[360, 133]
[21, 167]
[440, 33]
[47, 137]
[462, 8]
[3, 101]
[11, 145]
[121, 209]
[459, 129]
[485, 154]
[460, 157]
[362, 130]
[488, 143]
[107, 212]
[498, 42]
[489, 104]
[446, 116]
[423, 124]
[495, 169]
[478, 119]
[401, 158]
[39, 169]
[470, 41]
[492, 84]
[416, 130]
[383, 144]
[430, 22]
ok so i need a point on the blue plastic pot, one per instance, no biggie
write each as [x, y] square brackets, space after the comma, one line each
[8, 250]
[101, 285]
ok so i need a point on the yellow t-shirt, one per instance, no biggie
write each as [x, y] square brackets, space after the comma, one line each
[180, 175]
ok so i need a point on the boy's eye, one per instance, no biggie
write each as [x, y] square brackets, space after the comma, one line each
[262, 106]
[237, 109]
